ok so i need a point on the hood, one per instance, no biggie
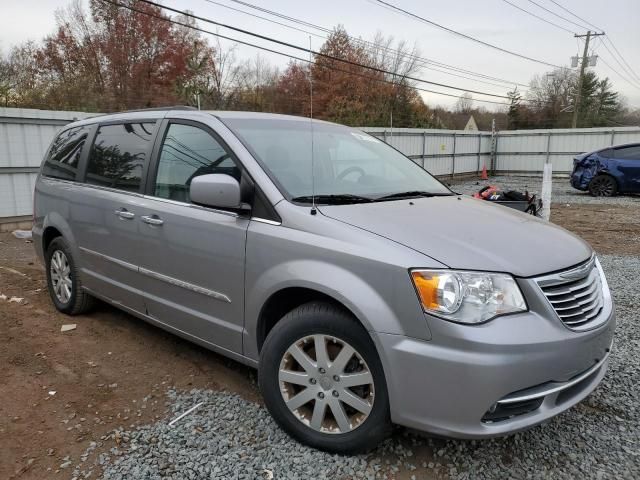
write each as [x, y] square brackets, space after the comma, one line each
[465, 233]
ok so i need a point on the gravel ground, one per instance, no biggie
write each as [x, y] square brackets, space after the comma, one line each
[561, 191]
[230, 437]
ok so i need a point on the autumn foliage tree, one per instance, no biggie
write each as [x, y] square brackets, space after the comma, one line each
[113, 58]
[351, 86]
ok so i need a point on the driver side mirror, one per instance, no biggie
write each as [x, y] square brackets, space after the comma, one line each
[217, 190]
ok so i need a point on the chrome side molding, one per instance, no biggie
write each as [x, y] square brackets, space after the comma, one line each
[185, 285]
[159, 276]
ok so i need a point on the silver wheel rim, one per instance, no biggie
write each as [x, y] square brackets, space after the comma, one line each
[326, 384]
[61, 276]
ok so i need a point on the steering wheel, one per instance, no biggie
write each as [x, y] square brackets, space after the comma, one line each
[350, 170]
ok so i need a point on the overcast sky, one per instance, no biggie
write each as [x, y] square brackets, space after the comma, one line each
[493, 21]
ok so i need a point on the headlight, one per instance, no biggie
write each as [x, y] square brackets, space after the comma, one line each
[467, 297]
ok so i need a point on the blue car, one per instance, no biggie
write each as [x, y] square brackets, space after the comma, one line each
[609, 171]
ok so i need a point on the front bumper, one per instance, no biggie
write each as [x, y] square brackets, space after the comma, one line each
[461, 382]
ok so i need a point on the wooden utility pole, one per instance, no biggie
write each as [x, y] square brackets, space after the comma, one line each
[583, 66]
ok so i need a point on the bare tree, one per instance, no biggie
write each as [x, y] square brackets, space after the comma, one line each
[7, 84]
[551, 96]
[257, 80]
[20, 79]
[225, 75]
[464, 104]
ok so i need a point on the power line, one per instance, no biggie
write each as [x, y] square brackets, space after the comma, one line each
[558, 15]
[629, 70]
[281, 15]
[264, 18]
[422, 60]
[538, 17]
[459, 34]
[630, 82]
[316, 53]
[300, 59]
[633, 73]
[576, 16]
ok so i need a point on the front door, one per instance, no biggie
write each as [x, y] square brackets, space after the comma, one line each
[192, 256]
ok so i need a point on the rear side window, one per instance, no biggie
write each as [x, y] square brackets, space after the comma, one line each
[64, 154]
[188, 152]
[119, 154]
[628, 153]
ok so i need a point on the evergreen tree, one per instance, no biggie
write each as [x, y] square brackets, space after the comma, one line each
[513, 116]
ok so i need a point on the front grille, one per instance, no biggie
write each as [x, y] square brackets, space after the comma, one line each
[575, 295]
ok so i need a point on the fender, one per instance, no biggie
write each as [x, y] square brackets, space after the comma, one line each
[366, 303]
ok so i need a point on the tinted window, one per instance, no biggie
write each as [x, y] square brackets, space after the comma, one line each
[628, 153]
[188, 152]
[118, 155]
[64, 154]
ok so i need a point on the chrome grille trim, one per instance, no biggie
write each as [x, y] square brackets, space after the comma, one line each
[577, 295]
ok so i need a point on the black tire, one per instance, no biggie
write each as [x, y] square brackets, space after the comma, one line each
[79, 300]
[603, 186]
[320, 318]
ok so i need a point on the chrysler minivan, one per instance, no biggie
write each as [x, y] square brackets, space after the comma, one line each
[365, 291]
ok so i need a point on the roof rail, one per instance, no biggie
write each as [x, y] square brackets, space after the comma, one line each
[159, 109]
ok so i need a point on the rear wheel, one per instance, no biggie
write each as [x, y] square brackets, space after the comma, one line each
[603, 186]
[322, 380]
[63, 281]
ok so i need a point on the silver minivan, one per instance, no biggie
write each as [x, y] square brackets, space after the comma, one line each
[365, 291]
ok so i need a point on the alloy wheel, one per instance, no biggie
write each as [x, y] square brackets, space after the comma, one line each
[602, 187]
[60, 271]
[326, 384]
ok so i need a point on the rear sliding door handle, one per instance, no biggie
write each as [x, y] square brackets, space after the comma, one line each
[152, 220]
[124, 213]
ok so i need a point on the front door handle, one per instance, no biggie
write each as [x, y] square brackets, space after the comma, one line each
[124, 213]
[152, 220]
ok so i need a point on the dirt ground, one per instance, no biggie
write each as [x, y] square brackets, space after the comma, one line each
[60, 391]
[612, 229]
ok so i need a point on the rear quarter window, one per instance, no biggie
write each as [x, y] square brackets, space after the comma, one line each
[119, 154]
[64, 154]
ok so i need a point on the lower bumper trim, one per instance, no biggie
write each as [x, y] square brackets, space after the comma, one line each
[551, 387]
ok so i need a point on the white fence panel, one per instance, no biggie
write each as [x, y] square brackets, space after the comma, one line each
[23, 145]
[16, 194]
[438, 165]
[466, 164]
[619, 137]
[25, 135]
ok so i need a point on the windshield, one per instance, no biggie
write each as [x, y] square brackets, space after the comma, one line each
[347, 162]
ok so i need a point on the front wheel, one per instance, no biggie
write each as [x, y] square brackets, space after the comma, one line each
[323, 382]
[603, 186]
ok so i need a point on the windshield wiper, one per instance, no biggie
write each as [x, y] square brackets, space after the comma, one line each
[412, 194]
[342, 198]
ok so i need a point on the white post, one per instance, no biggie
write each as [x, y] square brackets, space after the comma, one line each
[546, 191]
